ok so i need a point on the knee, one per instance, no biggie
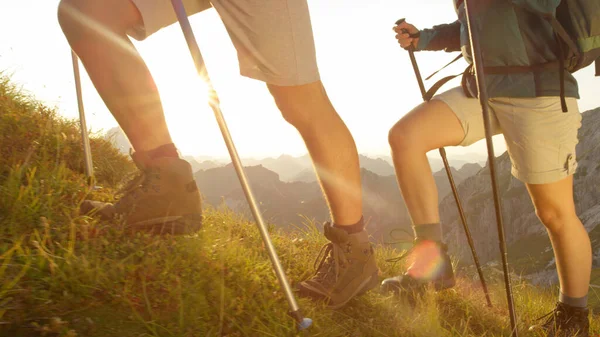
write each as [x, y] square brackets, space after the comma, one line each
[402, 137]
[79, 18]
[70, 15]
[303, 106]
[553, 218]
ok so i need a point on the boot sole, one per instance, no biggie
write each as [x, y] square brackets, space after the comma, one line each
[368, 284]
[438, 285]
[365, 286]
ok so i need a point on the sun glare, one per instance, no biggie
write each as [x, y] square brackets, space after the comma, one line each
[185, 100]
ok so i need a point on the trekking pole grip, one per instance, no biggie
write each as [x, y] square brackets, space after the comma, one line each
[413, 60]
[415, 35]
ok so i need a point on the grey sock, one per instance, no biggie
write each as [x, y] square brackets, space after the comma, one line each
[580, 302]
[430, 231]
[355, 228]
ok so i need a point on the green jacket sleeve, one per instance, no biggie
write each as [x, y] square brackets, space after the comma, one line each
[541, 6]
[441, 37]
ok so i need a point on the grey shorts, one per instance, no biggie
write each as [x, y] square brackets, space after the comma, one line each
[273, 38]
[540, 138]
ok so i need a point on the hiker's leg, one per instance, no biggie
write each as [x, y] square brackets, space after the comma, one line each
[329, 143]
[450, 118]
[541, 141]
[429, 126]
[97, 32]
[274, 42]
[555, 207]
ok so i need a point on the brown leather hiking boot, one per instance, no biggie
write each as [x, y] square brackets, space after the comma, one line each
[564, 321]
[163, 198]
[345, 270]
[430, 265]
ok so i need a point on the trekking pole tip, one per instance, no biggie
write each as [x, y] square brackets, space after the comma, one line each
[304, 324]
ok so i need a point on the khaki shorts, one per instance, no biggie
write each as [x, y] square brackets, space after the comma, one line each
[273, 38]
[540, 138]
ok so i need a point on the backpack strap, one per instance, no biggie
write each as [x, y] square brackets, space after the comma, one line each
[598, 67]
[537, 67]
[561, 71]
[428, 95]
[561, 33]
[557, 26]
[437, 85]
[458, 57]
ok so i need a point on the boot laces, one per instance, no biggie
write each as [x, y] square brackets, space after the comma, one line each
[408, 252]
[558, 318]
[552, 317]
[327, 263]
[142, 181]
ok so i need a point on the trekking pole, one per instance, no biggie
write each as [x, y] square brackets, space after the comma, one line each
[213, 101]
[87, 152]
[413, 60]
[483, 100]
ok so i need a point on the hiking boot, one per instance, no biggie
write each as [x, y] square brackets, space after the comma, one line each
[346, 268]
[430, 265]
[565, 321]
[163, 198]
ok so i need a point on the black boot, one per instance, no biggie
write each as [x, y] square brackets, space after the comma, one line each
[565, 321]
[427, 268]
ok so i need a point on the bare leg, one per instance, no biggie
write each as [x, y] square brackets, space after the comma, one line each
[330, 145]
[556, 209]
[429, 126]
[96, 31]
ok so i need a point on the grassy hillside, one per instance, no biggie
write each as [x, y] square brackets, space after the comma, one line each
[64, 274]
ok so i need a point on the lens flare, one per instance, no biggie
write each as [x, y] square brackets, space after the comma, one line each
[425, 260]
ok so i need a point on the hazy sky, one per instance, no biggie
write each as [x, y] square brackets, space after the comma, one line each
[367, 76]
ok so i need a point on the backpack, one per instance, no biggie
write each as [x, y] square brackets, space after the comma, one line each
[577, 26]
[577, 29]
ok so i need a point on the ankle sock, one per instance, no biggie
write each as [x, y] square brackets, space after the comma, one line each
[352, 229]
[430, 231]
[167, 150]
[579, 302]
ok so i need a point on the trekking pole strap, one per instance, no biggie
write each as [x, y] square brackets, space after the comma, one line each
[561, 70]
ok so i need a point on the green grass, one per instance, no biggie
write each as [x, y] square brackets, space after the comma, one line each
[65, 274]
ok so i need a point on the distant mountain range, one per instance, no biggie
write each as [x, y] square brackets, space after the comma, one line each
[289, 203]
[300, 168]
[436, 163]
